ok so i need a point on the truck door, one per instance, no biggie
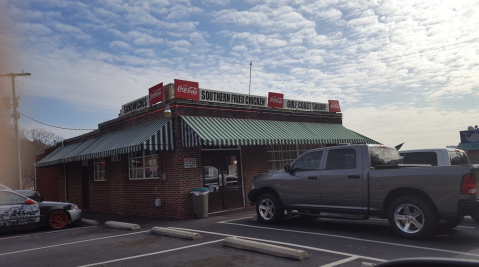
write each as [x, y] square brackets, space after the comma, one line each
[341, 182]
[15, 210]
[300, 187]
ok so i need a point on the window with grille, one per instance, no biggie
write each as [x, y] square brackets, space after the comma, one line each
[99, 172]
[279, 155]
[143, 165]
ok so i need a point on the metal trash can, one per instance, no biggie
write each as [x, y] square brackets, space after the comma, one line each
[200, 202]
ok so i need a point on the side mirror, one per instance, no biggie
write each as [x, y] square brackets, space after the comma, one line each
[287, 168]
[30, 202]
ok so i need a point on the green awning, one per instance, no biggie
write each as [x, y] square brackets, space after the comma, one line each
[157, 135]
[231, 132]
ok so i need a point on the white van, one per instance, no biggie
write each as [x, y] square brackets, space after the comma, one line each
[435, 157]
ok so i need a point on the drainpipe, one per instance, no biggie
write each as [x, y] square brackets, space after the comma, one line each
[35, 185]
[65, 175]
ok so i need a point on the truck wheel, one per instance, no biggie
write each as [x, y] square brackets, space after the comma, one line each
[269, 208]
[412, 217]
[450, 223]
[475, 217]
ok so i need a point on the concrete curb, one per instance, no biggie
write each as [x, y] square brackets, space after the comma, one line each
[175, 233]
[266, 248]
[122, 225]
[89, 222]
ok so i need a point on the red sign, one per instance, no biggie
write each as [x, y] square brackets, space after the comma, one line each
[187, 90]
[334, 106]
[156, 94]
[275, 100]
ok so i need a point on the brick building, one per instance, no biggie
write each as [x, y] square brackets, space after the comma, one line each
[213, 139]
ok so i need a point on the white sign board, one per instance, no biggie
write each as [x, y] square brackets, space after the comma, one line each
[190, 163]
[232, 98]
[304, 105]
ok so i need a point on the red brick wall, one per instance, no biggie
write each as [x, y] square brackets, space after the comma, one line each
[48, 180]
[119, 194]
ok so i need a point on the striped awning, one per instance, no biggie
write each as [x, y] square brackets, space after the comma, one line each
[207, 131]
[157, 135]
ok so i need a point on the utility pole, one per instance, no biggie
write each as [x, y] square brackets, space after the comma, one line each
[250, 66]
[16, 116]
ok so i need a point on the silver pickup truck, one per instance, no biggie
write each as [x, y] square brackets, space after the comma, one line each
[359, 181]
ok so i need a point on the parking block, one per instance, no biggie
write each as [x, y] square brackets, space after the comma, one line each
[122, 225]
[175, 233]
[89, 222]
[266, 248]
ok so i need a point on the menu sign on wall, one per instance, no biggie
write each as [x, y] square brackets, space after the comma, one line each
[187, 90]
[304, 105]
[156, 94]
[232, 98]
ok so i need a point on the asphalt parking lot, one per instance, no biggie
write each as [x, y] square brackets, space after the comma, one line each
[328, 243]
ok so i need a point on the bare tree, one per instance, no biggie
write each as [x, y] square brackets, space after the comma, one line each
[32, 143]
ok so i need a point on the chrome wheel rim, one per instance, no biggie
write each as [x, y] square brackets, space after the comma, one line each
[409, 218]
[266, 209]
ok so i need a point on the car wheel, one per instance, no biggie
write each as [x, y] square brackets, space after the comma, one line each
[269, 208]
[58, 219]
[411, 217]
[475, 217]
[450, 223]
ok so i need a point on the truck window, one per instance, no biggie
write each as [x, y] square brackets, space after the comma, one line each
[384, 156]
[423, 158]
[309, 161]
[341, 159]
[458, 158]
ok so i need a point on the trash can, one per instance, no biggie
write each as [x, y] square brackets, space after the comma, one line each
[200, 202]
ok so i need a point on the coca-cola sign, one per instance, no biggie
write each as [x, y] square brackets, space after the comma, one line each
[156, 94]
[334, 106]
[275, 100]
[187, 90]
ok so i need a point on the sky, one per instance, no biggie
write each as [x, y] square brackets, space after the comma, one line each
[403, 71]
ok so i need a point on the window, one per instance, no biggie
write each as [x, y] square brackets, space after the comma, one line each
[307, 162]
[280, 155]
[116, 157]
[423, 158]
[458, 158]
[384, 156]
[10, 198]
[99, 173]
[144, 164]
[341, 159]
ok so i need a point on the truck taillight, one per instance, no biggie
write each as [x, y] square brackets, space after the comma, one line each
[469, 184]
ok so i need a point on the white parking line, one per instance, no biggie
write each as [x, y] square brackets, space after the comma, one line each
[149, 254]
[467, 227]
[49, 232]
[76, 242]
[236, 219]
[336, 263]
[357, 239]
[283, 243]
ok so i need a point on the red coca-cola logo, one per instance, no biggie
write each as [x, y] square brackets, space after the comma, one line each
[275, 100]
[187, 89]
[334, 106]
[156, 94]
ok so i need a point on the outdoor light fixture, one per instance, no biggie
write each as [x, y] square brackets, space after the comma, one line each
[167, 111]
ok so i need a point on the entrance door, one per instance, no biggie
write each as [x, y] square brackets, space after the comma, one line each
[222, 175]
[85, 186]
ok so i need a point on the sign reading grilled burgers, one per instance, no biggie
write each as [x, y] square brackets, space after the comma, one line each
[156, 94]
[232, 98]
[187, 90]
[275, 100]
[135, 105]
[304, 105]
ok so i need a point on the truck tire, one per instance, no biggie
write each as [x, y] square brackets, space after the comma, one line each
[269, 208]
[475, 217]
[412, 217]
[450, 223]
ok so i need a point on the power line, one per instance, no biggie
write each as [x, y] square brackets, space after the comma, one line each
[64, 128]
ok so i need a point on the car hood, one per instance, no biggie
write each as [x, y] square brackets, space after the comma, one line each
[267, 175]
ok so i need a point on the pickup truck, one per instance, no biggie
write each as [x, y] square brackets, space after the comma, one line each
[360, 181]
[435, 157]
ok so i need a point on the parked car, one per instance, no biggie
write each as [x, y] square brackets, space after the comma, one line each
[435, 157]
[20, 208]
[360, 181]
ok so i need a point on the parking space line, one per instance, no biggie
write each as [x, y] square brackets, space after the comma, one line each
[283, 243]
[49, 232]
[149, 254]
[236, 219]
[467, 227]
[336, 263]
[358, 239]
[70, 243]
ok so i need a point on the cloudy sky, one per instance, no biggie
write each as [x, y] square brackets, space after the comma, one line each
[403, 71]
